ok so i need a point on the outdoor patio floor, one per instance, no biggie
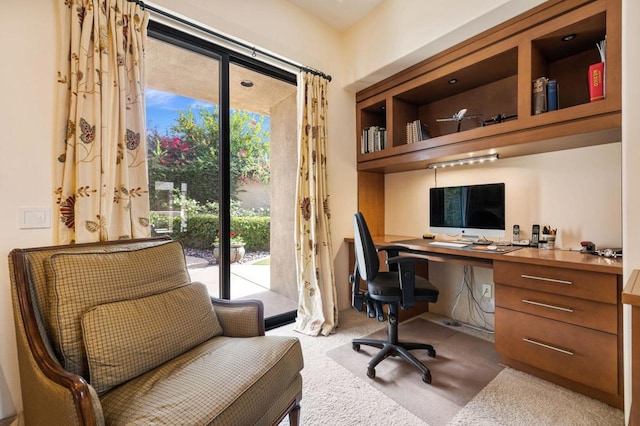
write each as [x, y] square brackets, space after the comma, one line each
[248, 281]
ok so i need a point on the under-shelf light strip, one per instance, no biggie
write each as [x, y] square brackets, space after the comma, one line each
[463, 161]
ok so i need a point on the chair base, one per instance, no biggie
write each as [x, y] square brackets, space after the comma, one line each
[392, 347]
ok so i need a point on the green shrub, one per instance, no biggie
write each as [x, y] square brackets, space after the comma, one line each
[201, 230]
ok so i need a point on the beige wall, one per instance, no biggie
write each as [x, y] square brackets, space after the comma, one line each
[27, 79]
[28, 36]
[576, 191]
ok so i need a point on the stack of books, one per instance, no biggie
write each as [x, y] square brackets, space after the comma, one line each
[416, 131]
[374, 139]
[545, 95]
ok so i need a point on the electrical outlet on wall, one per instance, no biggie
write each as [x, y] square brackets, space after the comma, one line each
[486, 291]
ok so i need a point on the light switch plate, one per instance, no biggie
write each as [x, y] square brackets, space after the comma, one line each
[34, 217]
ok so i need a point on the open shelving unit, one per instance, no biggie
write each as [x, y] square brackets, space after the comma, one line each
[489, 75]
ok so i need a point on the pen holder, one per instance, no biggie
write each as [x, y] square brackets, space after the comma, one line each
[547, 241]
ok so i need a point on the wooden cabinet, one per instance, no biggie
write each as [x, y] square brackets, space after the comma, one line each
[631, 297]
[562, 324]
[492, 74]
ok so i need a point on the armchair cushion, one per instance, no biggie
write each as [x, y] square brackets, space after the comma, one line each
[79, 281]
[127, 338]
[223, 381]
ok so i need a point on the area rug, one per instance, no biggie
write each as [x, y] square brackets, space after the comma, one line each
[464, 365]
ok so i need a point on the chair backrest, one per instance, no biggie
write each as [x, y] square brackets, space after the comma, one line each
[366, 253]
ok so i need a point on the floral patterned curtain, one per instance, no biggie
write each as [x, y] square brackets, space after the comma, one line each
[101, 165]
[317, 300]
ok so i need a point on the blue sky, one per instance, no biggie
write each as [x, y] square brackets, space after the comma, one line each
[162, 109]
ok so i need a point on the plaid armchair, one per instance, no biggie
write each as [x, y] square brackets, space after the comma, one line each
[116, 333]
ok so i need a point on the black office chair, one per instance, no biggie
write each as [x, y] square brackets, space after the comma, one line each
[398, 287]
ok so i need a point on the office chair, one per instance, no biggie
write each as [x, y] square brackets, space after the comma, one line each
[398, 287]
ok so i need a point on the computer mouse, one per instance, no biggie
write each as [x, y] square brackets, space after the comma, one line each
[492, 247]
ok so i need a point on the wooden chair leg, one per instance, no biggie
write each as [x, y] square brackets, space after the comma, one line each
[294, 415]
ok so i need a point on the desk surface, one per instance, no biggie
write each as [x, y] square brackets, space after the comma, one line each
[534, 256]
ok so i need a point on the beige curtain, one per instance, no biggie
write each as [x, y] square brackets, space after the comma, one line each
[317, 301]
[101, 166]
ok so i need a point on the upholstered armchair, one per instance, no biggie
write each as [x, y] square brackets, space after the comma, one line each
[116, 333]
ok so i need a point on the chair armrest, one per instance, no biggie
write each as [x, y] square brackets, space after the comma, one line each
[240, 318]
[407, 276]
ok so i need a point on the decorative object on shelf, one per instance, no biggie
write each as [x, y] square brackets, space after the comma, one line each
[499, 119]
[463, 161]
[237, 249]
[458, 117]
[540, 95]
[596, 74]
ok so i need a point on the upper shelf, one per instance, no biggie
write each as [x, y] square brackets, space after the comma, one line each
[491, 77]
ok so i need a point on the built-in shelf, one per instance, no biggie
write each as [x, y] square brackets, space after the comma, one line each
[494, 73]
[491, 77]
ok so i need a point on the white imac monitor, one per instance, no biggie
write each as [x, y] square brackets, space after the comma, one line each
[470, 211]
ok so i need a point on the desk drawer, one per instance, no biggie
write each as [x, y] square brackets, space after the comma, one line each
[597, 286]
[586, 313]
[579, 354]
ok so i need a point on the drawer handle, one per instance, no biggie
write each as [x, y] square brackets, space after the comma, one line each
[552, 280]
[548, 346]
[544, 305]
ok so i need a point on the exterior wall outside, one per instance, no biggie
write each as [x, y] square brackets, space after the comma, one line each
[254, 195]
[284, 161]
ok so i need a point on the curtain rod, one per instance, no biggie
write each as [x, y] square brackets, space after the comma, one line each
[254, 50]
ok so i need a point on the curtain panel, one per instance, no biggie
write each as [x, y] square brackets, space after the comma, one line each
[101, 166]
[317, 301]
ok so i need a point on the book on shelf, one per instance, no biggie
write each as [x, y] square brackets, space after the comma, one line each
[596, 74]
[416, 131]
[552, 95]
[540, 95]
[374, 138]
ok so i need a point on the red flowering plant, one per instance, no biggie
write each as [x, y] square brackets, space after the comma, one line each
[235, 237]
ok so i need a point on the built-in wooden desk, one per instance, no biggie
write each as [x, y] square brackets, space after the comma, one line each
[558, 313]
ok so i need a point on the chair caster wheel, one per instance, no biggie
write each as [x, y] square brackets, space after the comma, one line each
[426, 377]
[431, 353]
[371, 373]
[355, 347]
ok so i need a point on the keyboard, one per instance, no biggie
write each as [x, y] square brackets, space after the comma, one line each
[448, 244]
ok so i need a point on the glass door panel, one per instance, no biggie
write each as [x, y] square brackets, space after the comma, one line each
[182, 97]
[263, 167]
[221, 143]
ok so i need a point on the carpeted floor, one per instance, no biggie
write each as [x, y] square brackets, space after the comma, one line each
[464, 365]
[334, 395]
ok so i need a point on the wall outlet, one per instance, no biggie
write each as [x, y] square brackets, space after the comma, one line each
[486, 290]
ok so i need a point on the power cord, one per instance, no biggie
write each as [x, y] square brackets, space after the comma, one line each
[474, 306]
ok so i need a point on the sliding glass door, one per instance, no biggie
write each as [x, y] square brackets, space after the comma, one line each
[222, 163]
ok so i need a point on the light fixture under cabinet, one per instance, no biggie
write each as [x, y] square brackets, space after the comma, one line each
[463, 161]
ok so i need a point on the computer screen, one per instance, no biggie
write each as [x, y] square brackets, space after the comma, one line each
[471, 211]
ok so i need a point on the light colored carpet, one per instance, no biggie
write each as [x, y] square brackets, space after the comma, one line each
[464, 365]
[334, 396]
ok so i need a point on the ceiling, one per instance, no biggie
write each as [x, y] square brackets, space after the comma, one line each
[339, 14]
[167, 66]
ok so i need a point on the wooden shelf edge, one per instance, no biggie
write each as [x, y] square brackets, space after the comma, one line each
[591, 131]
[631, 291]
